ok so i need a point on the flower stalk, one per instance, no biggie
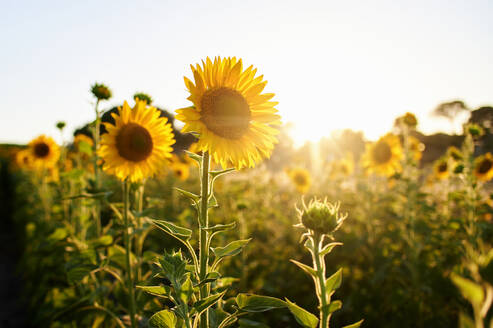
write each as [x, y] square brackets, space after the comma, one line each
[126, 240]
[204, 235]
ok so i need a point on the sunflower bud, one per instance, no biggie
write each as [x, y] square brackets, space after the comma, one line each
[459, 168]
[475, 130]
[322, 217]
[410, 120]
[60, 125]
[101, 91]
[143, 97]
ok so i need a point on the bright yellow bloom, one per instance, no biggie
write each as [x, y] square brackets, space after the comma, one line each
[441, 169]
[44, 152]
[416, 148]
[237, 124]
[79, 138]
[139, 143]
[483, 167]
[383, 157]
[301, 179]
[181, 170]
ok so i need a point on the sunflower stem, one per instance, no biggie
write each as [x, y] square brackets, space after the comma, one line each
[204, 235]
[126, 240]
[319, 266]
[97, 207]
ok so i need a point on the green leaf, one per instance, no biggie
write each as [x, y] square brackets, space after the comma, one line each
[73, 174]
[469, 289]
[188, 194]
[212, 202]
[334, 281]
[194, 156]
[220, 227]
[85, 147]
[186, 291]
[465, 321]
[102, 241]
[231, 249]
[328, 248]
[354, 325]
[58, 234]
[172, 229]
[334, 306]
[258, 303]
[210, 277]
[302, 316]
[159, 291]
[215, 174]
[163, 319]
[76, 274]
[305, 268]
[205, 303]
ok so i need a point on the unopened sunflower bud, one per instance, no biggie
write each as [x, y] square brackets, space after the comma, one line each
[101, 91]
[475, 130]
[143, 97]
[459, 168]
[60, 125]
[410, 120]
[322, 217]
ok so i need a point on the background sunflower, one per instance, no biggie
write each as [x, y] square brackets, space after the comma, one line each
[44, 152]
[139, 143]
[383, 157]
[483, 167]
[236, 122]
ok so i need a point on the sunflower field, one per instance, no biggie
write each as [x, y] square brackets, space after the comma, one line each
[218, 221]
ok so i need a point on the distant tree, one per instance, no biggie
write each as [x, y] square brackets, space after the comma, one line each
[483, 116]
[451, 109]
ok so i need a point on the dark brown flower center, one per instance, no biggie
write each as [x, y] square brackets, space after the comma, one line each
[225, 112]
[442, 167]
[300, 179]
[381, 152]
[484, 166]
[41, 150]
[134, 142]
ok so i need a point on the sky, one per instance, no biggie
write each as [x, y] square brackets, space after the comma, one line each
[331, 64]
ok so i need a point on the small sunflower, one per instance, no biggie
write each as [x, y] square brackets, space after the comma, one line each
[236, 122]
[441, 169]
[138, 144]
[483, 167]
[301, 179]
[383, 157]
[343, 167]
[101, 91]
[23, 159]
[44, 152]
[416, 148]
[181, 170]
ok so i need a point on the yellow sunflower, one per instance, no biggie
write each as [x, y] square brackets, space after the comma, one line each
[181, 170]
[236, 122]
[23, 159]
[483, 167]
[416, 148]
[301, 179]
[44, 152]
[139, 143]
[82, 138]
[441, 169]
[383, 157]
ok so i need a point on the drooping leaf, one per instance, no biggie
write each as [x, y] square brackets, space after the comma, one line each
[334, 306]
[258, 303]
[305, 268]
[58, 234]
[470, 290]
[231, 249]
[205, 303]
[328, 248]
[178, 232]
[302, 316]
[354, 325]
[159, 291]
[188, 194]
[102, 241]
[210, 277]
[186, 291]
[163, 319]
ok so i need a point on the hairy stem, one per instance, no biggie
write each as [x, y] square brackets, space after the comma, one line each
[319, 266]
[204, 235]
[126, 240]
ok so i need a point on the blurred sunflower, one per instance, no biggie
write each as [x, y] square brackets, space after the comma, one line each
[301, 179]
[82, 138]
[454, 153]
[138, 144]
[416, 148]
[441, 169]
[23, 159]
[343, 167]
[483, 167]
[383, 157]
[236, 123]
[44, 152]
[181, 170]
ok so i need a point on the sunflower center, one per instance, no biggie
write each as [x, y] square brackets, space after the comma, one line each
[300, 179]
[134, 143]
[225, 112]
[485, 166]
[41, 150]
[382, 153]
[442, 167]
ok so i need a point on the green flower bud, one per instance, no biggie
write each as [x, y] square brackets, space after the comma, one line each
[322, 217]
[475, 130]
[60, 125]
[459, 168]
[143, 97]
[101, 91]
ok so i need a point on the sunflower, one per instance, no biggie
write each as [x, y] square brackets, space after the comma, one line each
[441, 169]
[383, 157]
[301, 179]
[82, 138]
[44, 152]
[181, 170]
[483, 167]
[138, 144]
[416, 148]
[23, 159]
[343, 167]
[237, 124]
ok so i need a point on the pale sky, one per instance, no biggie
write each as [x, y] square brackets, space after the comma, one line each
[331, 64]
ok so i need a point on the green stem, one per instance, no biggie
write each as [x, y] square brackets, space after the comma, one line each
[204, 235]
[126, 240]
[97, 207]
[320, 284]
[139, 240]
